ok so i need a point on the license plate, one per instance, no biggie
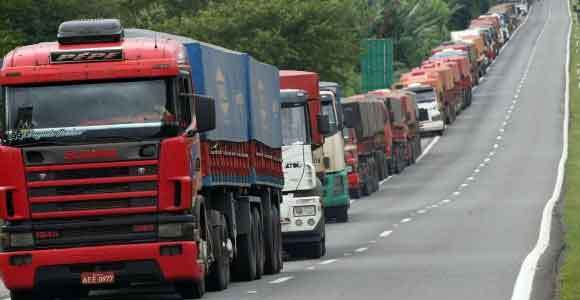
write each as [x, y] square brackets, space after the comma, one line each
[95, 278]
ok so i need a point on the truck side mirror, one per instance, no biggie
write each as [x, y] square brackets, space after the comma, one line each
[204, 108]
[323, 125]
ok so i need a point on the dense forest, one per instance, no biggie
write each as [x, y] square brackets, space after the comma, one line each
[321, 35]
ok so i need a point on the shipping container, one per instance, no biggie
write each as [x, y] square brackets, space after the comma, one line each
[265, 129]
[377, 61]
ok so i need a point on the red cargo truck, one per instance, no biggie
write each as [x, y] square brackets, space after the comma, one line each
[367, 121]
[117, 168]
[402, 110]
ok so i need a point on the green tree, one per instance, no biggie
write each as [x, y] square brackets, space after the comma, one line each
[320, 36]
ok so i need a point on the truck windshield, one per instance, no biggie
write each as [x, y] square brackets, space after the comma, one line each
[425, 96]
[295, 125]
[136, 109]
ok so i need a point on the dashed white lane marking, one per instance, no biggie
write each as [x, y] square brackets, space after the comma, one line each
[385, 180]
[328, 261]
[281, 279]
[491, 153]
[347, 254]
[504, 123]
[471, 178]
[361, 249]
[445, 201]
[311, 268]
[481, 165]
[456, 193]
[385, 233]
[422, 211]
[495, 146]
[428, 148]
[501, 130]
[464, 185]
[476, 171]
[434, 205]
[252, 292]
[406, 220]
[499, 138]
[486, 159]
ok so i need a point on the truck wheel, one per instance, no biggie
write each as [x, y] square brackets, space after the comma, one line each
[279, 252]
[219, 273]
[342, 215]
[25, 295]
[190, 289]
[272, 240]
[259, 240]
[419, 147]
[245, 262]
[356, 193]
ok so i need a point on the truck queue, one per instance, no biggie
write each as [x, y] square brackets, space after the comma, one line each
[132, 157]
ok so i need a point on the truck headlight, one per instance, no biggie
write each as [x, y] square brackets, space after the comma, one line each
[21, 240]
[304, 211]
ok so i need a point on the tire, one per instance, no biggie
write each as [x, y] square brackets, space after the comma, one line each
[342, 215]
[271, 241]
[74, 293]
[245, 262]
[356, 193]
[26, 295]
[318, 249]
[190, 289]
[279, 248]
[419, 147]
[259, 242]
[219, 273]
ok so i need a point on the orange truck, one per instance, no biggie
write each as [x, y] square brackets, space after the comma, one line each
[454, 49]
[449, 92]
[462, 73]
[477, 39]
[428, 89]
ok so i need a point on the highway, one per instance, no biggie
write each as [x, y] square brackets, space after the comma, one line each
[458, 224]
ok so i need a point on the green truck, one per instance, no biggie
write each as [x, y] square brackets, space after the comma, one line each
[336, 193]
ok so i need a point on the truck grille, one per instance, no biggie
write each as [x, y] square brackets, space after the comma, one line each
[423, 114]
[92, 188]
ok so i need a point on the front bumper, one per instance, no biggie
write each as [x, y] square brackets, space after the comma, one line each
[130, 263]
[431, 126]
[303, 237]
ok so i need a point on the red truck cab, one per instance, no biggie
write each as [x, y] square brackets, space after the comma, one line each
[95, 186]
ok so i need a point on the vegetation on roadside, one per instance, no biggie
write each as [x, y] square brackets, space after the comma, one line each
[570, 273]
[322, 35]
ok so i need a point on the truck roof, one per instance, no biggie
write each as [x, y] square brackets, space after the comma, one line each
[33, 63]
[308, 81]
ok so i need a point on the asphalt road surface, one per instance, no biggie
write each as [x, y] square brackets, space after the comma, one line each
[459, 223]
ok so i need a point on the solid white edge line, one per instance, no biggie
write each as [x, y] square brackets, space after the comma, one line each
[385, 180]
[523, 285]
[428, 148]
[281, 279]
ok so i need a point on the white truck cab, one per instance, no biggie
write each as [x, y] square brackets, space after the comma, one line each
[430, 116]
[302, 211]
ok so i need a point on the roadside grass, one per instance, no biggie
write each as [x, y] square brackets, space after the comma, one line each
[570, 272]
